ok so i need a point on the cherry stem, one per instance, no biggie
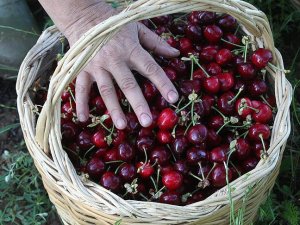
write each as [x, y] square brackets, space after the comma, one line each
[172, 153]
[193, 58]
[236, 96]
[239, 173]
[116, 161]
[157, 176]
[241, 46]
[265, 101]
[254, 109]
[157, 192]
[88, 151]
[193, 175]
[192, 70]
[146, 156]
[276, 68]
[71, 93]
[188, 127]
[246, 50]
[154, 184]
[116, 171]
[241, 126]
[224, 125]
[202, 174]
[174, 131]
[153, 23]
[105, 127]
[218, 111]
[237, 29]
[243, 134]
[143, 196]
[184, 107]
[263, 144]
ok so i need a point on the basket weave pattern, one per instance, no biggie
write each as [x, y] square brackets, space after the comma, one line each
[80, 201]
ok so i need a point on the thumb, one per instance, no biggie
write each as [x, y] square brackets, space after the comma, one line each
[155, 43]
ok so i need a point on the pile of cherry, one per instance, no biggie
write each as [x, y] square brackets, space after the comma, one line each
[219, 128]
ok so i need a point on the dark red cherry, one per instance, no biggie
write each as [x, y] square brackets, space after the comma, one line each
[208, 54]
[132, 122]
[246, 71]
[167, 119]
[145, 170]
[127, 172]
[99, 104]
[166, 169]
[69, 130]
[173, 42]
[213, 33]
[66, 96]
[263, 114]
[226, 81]
[199, 74]
[188, 86]
[160, 154]
[239, 84]
[164, 137]
[171, 73]
[261, 57]
[110, 181]
[197, 134]
[162, 20]
[100, 153]
[211, 85]
[224, 104]
[68, 109]
[249, 164]
[194, 33]
[206, 17]
[242, 149]
[195, 154]
[160, 30]
[185, 46]
[259, 129]
[172, 180]
[111, 155]
[182, 167]
[219, 154]
[84, 140]
[224, 56]
[149, 90]
[118, 137]
[180, 145]
[179, 66]
[227, 23]
[242, 107]
[95, 168]
[125, 152]
[257, 88]
[145, 143]
[218, 176]
[161, 103]
[232, 39]
[99, 139]
[170, 197]
[213, 139]
[196, 197]
[257, 148]
[213, 69]
[216, 122]
[178, 27]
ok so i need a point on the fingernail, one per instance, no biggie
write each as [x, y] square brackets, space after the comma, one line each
[121, 123]
[173, 50]
[145, 119]
[172, 96]
[82, 118]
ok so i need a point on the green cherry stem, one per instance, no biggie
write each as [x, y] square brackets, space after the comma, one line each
[240, 46]
[193, 58]
[236, 96]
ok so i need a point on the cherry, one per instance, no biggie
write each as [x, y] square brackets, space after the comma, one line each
[145, 170]
[271, 100]
[239, 84]
[100, 153]
[178, 27]
[127, 172]
[182, 167]
[232, 39]
[246, 71]
[69, 130]
[194, 33]
[243, 107]
[263, 114]
[161, 103]
[258, 148]
[172, 180]
[162, 20]
[261, 57]
[173, 42]
[226, 81]
[188, 86]
[213, 33]
[170, 197]
[167, 168]
[211, 85]
[257, 130]
[216, 122]
[208, 54]
[227, 23]
[224, 103]
[161, 30]
[185, 46]
[249, 164]
[132, 122]
[197, 134]
[199, 74]
[99, 104]
[257, 88]
[213, 139]
[195, 154]
[110, 181]
[164, 137]
[242, 149]
[160, 154]
[108, 122]
[125, 152]
[118, 137]
[167, 119]
[99, 139]
[171, 73]
[202, 17]
[219, 154]
[145, 143]
[149, 90]
[218, 175]
[224, 56]
[179, 66]
[111, 155]
[180, 145]
[145, 132]
[84, 140]
[66, 96]
[68, 109]
[196, 197]
[95, 168]
[213, 69]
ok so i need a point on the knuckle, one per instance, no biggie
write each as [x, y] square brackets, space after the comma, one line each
[151, 68]
[128, 83]
[105, 90]
[136, 51]
[139, 108]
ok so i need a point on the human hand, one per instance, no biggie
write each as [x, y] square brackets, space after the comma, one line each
[123, 53]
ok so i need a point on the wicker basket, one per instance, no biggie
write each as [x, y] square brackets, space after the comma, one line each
[296, 3]
[79, 201]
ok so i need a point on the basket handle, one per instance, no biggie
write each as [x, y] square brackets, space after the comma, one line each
[79, 55]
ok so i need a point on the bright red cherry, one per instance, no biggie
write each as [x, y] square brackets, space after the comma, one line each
[246, 71]
[172, 180]
[257, 130]
[99, 139]
[208, 54]
[197, 134]
[261, 57]
[226, 81]
[213, 69]
[224, 56]
[145, 170]
[263, 114]
[213, 33]
[185, 46]
[110, 181]
[167, 119]
[243, 107]
[118, 137]
[171, 73]
[211, 85]
[149, 90]
[68, 109]
[164, 137]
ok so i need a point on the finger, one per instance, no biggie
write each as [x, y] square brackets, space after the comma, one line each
[143, 62]
[133, 93]
[82, 91]
[155, 43]
[109, 96]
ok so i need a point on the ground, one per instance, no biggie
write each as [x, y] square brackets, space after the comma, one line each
[24, 201]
